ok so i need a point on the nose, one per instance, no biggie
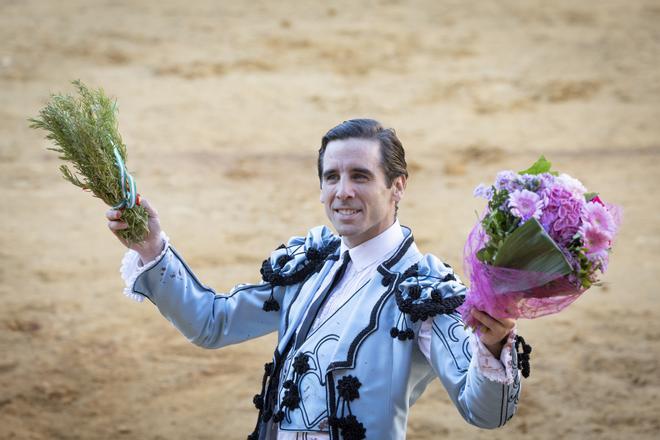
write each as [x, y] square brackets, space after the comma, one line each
[344, 189]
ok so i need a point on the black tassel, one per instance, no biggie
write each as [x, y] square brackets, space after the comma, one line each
[268, 368]
[349, 426]
[266, 271]
[301, 364]
[348, 387]
[523, 357]
[291, 398]
[352, 429]
[271, 305]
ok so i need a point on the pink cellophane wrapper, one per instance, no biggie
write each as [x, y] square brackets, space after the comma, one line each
[510, 293]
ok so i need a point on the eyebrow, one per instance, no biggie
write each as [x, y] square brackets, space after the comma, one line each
[363, 171]
[353, 170]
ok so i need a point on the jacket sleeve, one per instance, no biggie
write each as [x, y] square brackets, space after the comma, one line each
[482, 402]
[206, 318]
[430, 292]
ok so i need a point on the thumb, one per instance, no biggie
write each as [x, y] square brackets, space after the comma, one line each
[151, 211]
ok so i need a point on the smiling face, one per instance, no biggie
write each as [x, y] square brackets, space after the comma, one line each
[354, 190]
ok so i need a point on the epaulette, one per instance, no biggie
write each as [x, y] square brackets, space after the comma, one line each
[427, 289]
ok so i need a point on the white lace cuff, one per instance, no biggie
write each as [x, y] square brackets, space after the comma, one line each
[132, 267]
[502, 370]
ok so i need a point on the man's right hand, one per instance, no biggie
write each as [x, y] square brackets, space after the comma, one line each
[152, 244]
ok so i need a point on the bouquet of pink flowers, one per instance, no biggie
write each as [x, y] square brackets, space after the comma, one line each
[539, 245]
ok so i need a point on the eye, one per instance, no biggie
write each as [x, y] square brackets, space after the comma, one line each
[330, 177]
[360, 177]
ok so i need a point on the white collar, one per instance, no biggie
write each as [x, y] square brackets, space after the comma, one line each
[376, 249]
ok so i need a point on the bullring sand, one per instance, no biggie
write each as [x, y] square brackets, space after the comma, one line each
[222, 106]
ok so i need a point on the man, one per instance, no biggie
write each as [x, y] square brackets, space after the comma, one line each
[365, 320]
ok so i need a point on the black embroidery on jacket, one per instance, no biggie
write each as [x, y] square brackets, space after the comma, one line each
[291, 398]
[266, 401]
[420, 302]
[342, 419]
[259, 399]
[313, 262]
[523, 357]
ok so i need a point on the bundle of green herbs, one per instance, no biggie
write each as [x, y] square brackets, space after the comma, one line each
[85, 132]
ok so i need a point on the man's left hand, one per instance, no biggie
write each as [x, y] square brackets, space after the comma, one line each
[493, 332]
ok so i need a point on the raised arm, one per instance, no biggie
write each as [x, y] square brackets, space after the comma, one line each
[153, 269]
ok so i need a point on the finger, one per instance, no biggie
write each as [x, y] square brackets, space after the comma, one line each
[487, 320]
[151, 211]
[117, 225]
[113, 214]
[506, 323]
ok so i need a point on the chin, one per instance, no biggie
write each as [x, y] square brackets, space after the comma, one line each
[345, 231]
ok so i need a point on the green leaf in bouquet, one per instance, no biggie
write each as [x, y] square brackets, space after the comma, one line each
[542, 165]
[530, 248]
[485, 255]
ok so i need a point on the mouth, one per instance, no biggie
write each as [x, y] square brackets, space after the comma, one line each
[345, 213]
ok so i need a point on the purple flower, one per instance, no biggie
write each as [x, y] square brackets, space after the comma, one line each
[507, 180]
[525, 204]
[601, 260]
[562, 215]
[547, 181]
[571, 184]
[483, 191]
[530, 182]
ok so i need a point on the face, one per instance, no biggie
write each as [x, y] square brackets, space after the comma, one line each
[354, 190]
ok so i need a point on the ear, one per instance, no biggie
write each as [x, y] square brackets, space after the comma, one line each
[321, 196]
[399, 188]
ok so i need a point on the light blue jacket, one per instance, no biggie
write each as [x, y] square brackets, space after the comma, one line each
[357, 374]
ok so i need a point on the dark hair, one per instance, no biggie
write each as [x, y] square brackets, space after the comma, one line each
[392, 156]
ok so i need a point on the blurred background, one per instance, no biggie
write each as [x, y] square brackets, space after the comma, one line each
[222, 106]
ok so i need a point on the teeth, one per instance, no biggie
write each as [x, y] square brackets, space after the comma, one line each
[347, 211]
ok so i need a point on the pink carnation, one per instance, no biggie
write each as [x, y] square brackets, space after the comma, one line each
[596, 240]
[617, 214]
[598, 215]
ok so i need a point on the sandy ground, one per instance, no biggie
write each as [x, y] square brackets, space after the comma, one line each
[222, 106]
